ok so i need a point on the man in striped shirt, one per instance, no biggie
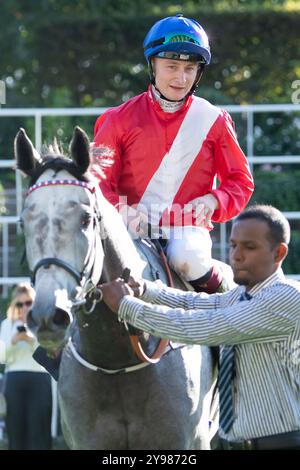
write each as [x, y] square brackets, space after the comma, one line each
[265, 330]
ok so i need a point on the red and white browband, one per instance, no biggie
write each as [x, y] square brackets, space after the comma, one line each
[83, 184]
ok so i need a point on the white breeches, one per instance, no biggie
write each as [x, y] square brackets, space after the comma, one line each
[189, 251]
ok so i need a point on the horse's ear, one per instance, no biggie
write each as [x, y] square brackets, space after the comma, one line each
[26, 156]
[80, 149]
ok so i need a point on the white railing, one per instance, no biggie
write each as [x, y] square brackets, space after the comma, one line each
[39, 113]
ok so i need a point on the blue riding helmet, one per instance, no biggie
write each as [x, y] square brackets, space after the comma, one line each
[183, 37]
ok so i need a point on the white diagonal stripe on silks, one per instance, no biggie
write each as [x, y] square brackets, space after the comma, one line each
[166, 181]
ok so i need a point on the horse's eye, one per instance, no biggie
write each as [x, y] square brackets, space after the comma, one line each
[86, 219]
[21, 223]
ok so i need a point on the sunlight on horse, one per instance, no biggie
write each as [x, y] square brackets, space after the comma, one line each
[75, 239]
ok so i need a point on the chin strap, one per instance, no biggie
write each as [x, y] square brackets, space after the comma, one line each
[159, 95]
[198, 78]
[169, 106]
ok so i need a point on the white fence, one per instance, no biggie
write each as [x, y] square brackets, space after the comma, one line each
[248, 112]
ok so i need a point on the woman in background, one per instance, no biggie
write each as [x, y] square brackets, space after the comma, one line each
[27, 384]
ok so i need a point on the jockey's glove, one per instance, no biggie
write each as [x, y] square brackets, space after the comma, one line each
[136, 222]
[202, 209]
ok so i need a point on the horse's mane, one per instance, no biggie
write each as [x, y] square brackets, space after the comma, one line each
[57, 163]
[53, 158]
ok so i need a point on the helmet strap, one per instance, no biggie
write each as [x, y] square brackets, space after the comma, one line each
[163, 97]
[151, 73]
[198, 78]
[169, 106]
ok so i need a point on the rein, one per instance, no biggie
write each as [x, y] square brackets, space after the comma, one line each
[134, 339]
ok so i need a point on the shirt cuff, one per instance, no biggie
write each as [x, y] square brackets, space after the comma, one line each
[129, 309]
[152, 291]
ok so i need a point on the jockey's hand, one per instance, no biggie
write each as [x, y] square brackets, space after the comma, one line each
[202, 208]
[136, 222]
[137, 285]
[114, 291]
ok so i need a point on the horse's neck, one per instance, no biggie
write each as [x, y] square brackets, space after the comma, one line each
[103, 340]
[119, 249]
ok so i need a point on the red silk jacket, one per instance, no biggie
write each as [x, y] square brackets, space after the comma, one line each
[158, 159]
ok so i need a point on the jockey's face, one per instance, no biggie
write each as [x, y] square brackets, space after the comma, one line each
[174, 78]
[253, 257]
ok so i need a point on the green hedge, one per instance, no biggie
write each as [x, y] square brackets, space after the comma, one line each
[281, 189]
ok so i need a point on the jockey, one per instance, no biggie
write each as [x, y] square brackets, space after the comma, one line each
[162, 150]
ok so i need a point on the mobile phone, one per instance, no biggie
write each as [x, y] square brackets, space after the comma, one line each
[21, 328]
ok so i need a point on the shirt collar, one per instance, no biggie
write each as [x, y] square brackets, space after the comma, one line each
[278, 276]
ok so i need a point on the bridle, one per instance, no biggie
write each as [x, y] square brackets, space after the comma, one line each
[89, 277]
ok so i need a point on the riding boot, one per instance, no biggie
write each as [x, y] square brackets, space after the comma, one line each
[210, 282]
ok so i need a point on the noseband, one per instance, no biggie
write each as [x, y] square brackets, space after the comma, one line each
[46, 262]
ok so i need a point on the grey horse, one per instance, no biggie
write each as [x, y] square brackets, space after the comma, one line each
[109, 398]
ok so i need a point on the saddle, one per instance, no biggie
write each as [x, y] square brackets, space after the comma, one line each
[157, 266]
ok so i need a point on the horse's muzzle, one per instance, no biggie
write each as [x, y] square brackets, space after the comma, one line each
[50, 330]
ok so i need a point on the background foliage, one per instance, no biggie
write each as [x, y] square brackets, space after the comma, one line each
[88, 52]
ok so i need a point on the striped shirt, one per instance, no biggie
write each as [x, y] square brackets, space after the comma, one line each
[265, 331]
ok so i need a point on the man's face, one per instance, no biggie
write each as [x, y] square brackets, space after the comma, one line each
[174, 78]
[252, 256]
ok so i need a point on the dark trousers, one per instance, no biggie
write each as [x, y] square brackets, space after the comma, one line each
[285, 441]
[29, 409]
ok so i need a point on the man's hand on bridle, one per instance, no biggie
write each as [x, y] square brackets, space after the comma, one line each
[114, 291]
[137, 285]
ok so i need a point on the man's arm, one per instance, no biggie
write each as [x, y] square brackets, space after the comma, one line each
[272, 315]
[157, 293]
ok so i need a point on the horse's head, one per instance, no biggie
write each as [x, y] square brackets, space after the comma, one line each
[61, 226]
